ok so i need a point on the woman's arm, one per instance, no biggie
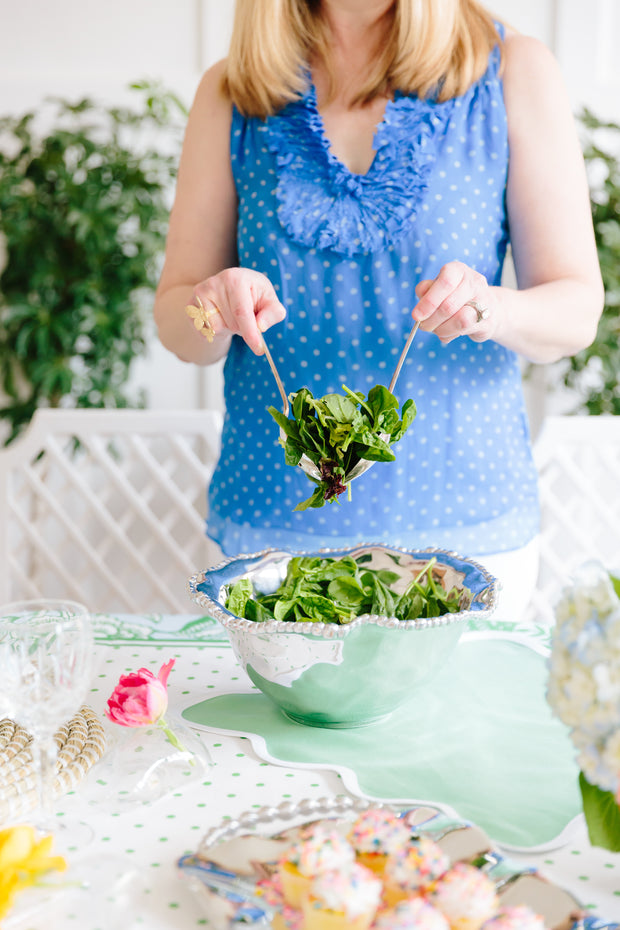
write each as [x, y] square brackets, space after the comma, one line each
[201, 246]
[556, 309]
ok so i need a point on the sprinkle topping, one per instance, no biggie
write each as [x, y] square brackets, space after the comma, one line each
[515, 918]
[416, 912]
[378, 830]
[320, 849]
[353, 891]
[417, 865]
[464, 891]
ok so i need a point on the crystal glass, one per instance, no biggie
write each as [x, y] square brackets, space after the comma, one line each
[46, 649]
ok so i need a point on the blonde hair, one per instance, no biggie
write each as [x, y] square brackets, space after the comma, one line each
[438, 46]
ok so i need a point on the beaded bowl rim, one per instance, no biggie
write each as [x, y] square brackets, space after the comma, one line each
[484, 600]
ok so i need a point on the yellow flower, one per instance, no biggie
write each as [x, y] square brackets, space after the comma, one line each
[23, 859]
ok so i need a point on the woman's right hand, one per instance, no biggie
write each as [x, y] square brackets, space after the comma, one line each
[246, 303]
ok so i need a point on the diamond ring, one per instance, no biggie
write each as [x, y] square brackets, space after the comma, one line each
[482, 313]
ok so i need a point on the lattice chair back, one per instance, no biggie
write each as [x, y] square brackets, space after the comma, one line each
[578, 460]
[108, 507]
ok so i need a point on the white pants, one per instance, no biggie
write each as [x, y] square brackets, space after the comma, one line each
[517, 573]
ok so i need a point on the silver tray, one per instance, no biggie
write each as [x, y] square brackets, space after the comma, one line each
[235, 855]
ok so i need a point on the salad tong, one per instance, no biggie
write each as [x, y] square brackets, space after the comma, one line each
[305, 463]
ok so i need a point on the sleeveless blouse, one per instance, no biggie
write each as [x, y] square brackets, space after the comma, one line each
[344, 253]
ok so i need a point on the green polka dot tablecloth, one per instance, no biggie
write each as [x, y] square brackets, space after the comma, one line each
[125, 877]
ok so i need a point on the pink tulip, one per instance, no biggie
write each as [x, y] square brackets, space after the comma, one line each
[140, 698]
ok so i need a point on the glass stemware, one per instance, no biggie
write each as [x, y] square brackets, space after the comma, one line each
[46, 649]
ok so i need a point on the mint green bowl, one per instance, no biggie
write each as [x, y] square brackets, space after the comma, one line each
[331, 675]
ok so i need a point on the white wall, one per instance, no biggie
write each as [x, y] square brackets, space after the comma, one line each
[77, 47]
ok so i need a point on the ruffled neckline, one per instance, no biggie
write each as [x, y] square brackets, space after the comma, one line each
[322, 204]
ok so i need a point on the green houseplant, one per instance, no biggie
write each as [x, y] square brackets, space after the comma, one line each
[593, 374]
[84, 203]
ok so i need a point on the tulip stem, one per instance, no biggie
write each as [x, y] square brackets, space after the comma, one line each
[173, 738]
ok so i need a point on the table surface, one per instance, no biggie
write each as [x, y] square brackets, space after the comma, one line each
[129, 865]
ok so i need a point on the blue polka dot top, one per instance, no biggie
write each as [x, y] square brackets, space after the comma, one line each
[344, 253]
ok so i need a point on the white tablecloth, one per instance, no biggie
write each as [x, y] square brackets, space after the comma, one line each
[126, 876]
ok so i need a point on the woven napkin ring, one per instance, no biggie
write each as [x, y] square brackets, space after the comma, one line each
[80, 742]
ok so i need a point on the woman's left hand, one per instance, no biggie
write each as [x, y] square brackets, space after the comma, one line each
[456, 303]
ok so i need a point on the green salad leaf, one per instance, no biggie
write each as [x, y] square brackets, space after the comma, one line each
[317, 590]
[338, 431]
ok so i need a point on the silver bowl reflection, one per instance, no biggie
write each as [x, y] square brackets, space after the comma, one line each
[332, 675]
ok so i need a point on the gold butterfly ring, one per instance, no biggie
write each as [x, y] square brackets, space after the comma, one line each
[202, 317]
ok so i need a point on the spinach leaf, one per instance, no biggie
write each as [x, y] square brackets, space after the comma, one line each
[338, 431]
[382, 602]
[348, 591]
[256, 611]
[239, 596]
[315, 608]
[329, 590]
[423, 599]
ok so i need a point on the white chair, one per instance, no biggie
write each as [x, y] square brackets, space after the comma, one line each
[108, 507]
[578, 461]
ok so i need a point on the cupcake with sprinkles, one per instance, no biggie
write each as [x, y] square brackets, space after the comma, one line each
[376, 834]
[342, 899]
[412, 869]
[318, 850]
[284, 917]
[466, 897]
[288, 918]
[521, 917]
[412, 914]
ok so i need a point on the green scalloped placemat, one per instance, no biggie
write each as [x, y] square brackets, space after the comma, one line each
[480, 739]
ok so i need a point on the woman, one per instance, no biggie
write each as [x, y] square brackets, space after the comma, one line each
[351, 164]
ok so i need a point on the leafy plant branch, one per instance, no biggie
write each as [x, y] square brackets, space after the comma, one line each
[84, 207]
[592, 375]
